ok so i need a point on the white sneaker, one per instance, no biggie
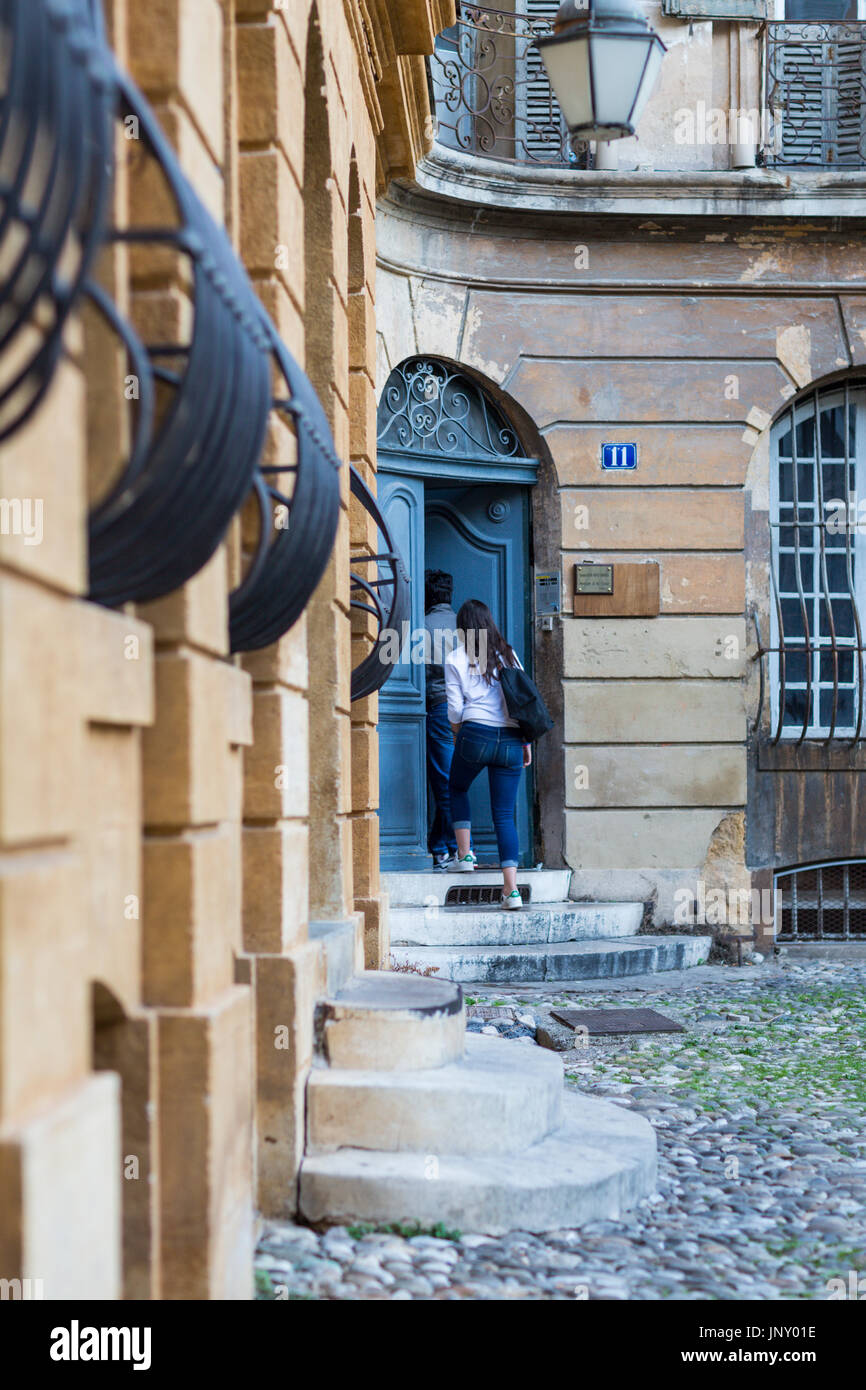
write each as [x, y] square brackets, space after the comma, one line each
[513, 899]
[466, 865]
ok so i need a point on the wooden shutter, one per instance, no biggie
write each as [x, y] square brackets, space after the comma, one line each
[847, 101]
[537, 111]
[822, 93]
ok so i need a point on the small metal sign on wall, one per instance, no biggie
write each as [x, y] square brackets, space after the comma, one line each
[618, 458]
[592, 578]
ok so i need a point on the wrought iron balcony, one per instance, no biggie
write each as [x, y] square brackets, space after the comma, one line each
[490, 87]
[815, 93]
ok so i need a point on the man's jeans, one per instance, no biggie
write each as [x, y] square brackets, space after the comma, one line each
[501, 752]
[440, 747]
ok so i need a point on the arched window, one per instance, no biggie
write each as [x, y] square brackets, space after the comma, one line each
[428, 407]
[818, 565]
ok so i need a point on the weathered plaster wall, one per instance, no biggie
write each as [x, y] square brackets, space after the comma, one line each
[687, 340]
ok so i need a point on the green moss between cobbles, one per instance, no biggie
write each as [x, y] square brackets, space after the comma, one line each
[773, 1072]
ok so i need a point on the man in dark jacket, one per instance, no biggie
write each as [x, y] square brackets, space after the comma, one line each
[440, 621]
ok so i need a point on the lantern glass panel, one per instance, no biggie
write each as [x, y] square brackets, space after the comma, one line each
[567, 66]
[618, 65]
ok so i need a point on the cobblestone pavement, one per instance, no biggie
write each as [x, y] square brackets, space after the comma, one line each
[760, 1112]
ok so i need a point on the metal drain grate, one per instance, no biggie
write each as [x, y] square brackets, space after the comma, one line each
[482, 895]
[597, 1022]
[822, 902]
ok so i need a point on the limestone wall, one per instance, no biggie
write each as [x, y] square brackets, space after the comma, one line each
[172, 817]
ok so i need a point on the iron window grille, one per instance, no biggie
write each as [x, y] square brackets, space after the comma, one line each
[197, 458]
[56, 140]
[817, 569]
[822, 902]
[491, 92]
[203, 404]
[382, 594]
[814, 80]
[297, 528]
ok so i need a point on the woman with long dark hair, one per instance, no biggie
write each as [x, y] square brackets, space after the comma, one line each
[485, 736]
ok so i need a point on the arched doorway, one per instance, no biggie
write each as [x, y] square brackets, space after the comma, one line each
[453, 484]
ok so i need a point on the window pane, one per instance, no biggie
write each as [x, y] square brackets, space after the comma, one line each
[844, 709]
[795, 707]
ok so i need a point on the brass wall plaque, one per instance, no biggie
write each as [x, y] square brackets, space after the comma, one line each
[593, 579]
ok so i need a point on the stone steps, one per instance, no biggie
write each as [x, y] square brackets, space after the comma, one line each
[497, 1098]
[565, 960]
[384, 1021]
[537, 924]
[599, 1161]
[422, 889]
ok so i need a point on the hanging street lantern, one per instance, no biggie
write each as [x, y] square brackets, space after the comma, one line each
[602, 63]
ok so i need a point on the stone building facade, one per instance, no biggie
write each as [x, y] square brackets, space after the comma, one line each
[189, 834]
[679, 291]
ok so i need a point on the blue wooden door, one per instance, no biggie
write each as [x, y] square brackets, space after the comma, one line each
[402, 711]
[479, 534]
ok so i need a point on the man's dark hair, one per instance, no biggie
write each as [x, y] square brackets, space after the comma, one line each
[438, 587]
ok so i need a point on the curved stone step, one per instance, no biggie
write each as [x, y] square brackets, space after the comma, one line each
[567, 960]
[498, 1098]
[386, 1021]
[532, 925]
[600, 1161]
[416, 890]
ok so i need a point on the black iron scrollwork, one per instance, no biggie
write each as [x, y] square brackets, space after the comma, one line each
[491, 90]
[383, 595]
[297, 530]
[56, 97]
[428, 407]
[200, 405]
[202, 408]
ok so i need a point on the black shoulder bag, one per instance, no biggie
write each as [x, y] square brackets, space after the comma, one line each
[524, 703]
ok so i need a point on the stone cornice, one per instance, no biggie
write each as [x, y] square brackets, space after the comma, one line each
[793, 192]
[391, 38]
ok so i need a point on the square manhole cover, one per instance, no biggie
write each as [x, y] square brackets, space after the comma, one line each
[601, 1021]
[486, 1012]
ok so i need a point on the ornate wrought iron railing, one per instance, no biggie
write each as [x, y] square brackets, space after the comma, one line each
[382, 593]
[491, 91]
[814, 80]
[56, 137]
[813, 664]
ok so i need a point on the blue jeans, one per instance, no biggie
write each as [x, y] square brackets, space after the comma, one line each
[501, 752]
[440, 747]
